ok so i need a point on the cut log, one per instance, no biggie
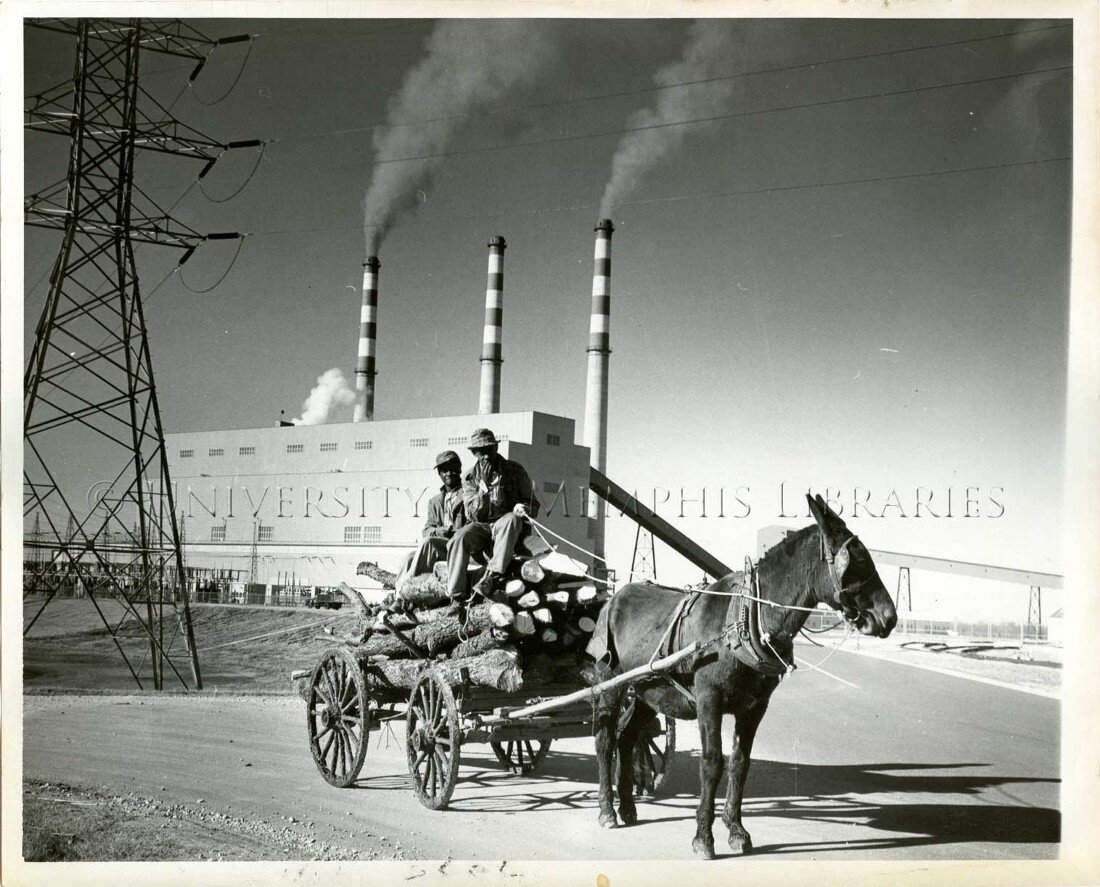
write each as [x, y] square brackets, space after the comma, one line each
[501, 634]
[422, 591]
[548, 636]
[498, 669]
[514, 588]
[480, 643]
[501, 615]
[383, 577]
[586, 594]
[529, 600]
[586, 625]
[561, 598]
[525, 623]
[543, 615]
[352, 595]
[440, 571]
[532, 571]
[438, 636]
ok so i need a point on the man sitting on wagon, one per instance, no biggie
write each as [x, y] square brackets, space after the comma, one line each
[498, 496]
[445, 515]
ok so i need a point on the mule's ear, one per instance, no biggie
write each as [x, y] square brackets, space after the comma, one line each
[819, 510]
[832, 520]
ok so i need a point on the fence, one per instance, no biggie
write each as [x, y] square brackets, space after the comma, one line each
[963, 629]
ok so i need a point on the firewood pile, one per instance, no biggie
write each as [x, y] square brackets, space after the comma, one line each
[533, 631]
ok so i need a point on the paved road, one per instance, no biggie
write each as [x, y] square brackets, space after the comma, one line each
[873, 760]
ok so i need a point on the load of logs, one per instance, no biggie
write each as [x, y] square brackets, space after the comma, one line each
[533, 630]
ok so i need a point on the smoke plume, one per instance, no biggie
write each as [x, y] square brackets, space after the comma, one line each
[331, 390]
[707, 54]
[470, 65]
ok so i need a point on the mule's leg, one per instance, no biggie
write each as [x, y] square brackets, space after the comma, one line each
[711, 765]
[744, 733]
[605, 723]
[628, 736]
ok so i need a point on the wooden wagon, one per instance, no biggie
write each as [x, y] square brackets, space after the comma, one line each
[347, 700]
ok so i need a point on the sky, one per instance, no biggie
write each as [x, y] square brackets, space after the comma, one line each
[848, 269]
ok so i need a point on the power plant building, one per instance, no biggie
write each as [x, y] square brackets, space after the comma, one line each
[315, 500]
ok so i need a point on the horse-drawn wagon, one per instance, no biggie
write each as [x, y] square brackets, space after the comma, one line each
[348, 698]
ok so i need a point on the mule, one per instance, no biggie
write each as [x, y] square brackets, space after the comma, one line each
[821, 563]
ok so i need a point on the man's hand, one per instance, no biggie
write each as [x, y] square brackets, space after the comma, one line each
[520, 510]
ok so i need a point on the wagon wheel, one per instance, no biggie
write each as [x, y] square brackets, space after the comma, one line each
[654, 753]
[336, 717]
[433, 739]
[521, 756]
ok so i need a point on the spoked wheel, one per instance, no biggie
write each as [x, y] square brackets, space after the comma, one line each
[433, 738]
[336, 717]
[653, 755]
[521, 756]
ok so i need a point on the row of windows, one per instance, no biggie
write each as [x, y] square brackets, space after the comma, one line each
[363, 534]
[264, 534]
[332, 447]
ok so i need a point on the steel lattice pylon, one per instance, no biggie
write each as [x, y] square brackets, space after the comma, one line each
[90, 400]
[643, 565]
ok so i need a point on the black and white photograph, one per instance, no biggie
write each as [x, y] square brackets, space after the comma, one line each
[503, 444]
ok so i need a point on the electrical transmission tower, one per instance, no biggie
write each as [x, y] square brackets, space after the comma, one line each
[90, 401]
[643, 565]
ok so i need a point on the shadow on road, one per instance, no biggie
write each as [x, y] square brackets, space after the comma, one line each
[832, 793]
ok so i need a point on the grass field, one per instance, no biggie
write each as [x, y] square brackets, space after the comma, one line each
[240, 648]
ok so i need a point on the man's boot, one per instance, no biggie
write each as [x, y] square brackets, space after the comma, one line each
[487, 585]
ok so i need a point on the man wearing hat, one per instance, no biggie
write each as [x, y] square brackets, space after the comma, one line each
[445, 515]
[498, 496]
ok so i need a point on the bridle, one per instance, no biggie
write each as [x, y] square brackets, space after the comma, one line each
[837, 564]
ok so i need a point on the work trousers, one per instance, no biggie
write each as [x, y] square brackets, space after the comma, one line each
[500, 537]
[431, 551]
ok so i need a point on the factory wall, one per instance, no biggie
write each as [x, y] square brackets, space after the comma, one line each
[321, 498]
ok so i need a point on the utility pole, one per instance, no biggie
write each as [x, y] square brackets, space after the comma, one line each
[90, 398]
[643, 565]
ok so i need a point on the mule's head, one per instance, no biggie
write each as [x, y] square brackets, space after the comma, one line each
[854, 587]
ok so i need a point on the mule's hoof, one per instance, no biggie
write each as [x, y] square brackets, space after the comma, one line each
[629, 817]
[703, 849]
[608, 820]
[740, 844]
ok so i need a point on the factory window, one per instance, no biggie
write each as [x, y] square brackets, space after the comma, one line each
[295, 448]
[364, 445]
[328, 448]
[457, 441]
[372, 534]
[217, 533]
[217, 451]
[353, 534]
[187, 454]
[548, 486]
[418, 441]
[502, 438]
[554, 440]
[266, 534]
[247, 451]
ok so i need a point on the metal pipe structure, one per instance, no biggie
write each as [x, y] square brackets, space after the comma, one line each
[368, 333]
[599, 352]
[489, 395]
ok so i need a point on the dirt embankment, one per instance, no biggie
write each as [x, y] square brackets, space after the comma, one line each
[250, 649]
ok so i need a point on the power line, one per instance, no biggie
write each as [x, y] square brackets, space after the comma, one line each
[661, 87]
[734, 115]
[718, 195]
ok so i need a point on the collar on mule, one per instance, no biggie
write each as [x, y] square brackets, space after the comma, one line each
[771, 654]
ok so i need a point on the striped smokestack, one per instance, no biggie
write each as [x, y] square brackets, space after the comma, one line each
[368, 331]
[599, 350]
[489, 396]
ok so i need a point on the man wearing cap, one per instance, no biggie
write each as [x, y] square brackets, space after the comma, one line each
[445, 515]
[498, 496]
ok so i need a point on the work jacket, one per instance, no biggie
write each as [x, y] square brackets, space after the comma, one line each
[491, 493]
[440, 524]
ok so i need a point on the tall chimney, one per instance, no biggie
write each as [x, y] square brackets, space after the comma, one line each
[595, 399]
[489, 396]
[368, 331]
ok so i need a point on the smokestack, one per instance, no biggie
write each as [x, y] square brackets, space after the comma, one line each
[489, 397]
[368, 332]
[595, 400]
